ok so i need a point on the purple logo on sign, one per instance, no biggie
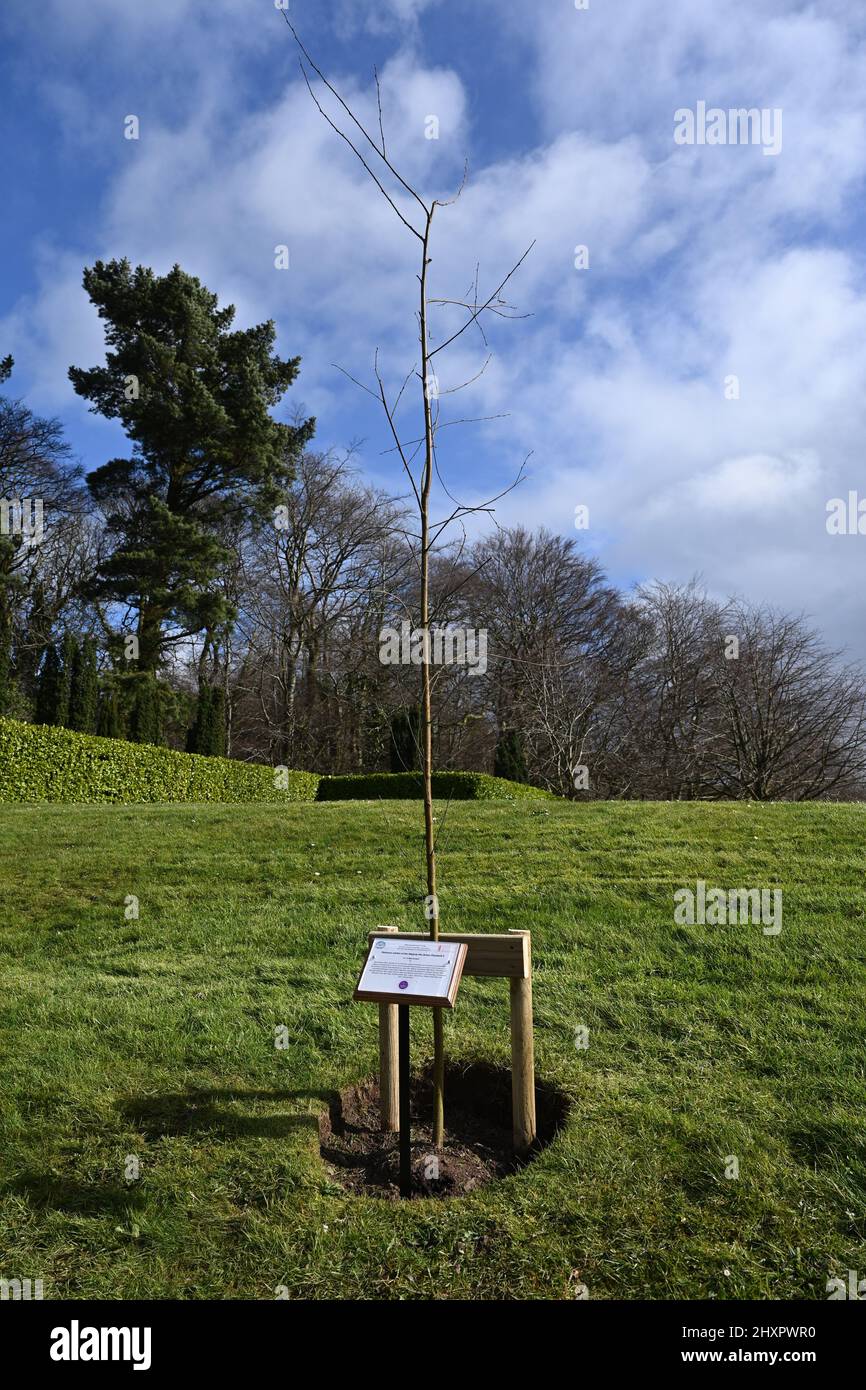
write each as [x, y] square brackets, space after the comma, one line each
[404, 984]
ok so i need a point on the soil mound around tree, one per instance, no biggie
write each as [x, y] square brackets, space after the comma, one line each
[478, 1147]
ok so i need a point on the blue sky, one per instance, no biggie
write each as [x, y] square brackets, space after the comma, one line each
[706, 262]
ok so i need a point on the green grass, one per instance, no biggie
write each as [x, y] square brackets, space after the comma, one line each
[155, 1037]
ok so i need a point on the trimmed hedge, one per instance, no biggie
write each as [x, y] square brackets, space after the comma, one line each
[39, 762]
[458, 786]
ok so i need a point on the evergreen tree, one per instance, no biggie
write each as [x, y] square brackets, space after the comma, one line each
[68, 653]
[145, 718]
[194, 397]
[207, 733]
[405, 743]
[109, 721]
[84, 690]
[48, 687]
[509, 760]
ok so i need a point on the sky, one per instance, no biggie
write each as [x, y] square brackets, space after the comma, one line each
[695, 377]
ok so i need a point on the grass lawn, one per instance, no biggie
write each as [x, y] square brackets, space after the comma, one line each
[156, 1038]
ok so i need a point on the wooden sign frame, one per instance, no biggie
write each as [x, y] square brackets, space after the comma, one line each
[430, 1001]
[498, 955]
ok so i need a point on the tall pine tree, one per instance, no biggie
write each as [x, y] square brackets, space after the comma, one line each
[194, 396]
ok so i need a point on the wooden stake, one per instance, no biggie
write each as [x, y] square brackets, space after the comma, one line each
[389, 1070]
[522, 1065]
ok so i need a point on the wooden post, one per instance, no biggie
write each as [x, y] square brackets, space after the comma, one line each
[389, 1071]
[522, 1063]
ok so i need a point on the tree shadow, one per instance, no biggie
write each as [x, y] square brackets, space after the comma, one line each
[195, 1112]
[204, 1112]
[46, 1191]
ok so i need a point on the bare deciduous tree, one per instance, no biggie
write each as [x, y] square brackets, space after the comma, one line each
[792, 716]
[417, 449]
[310, 606]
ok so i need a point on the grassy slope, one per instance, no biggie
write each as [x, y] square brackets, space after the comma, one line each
[705, 1042]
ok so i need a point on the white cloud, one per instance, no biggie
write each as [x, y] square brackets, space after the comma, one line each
[52, 329]
[754, 484]
[380, 16]
[219, 22]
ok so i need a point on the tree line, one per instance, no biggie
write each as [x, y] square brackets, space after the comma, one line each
[224, 589]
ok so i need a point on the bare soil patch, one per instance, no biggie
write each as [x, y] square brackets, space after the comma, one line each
[478, 1147]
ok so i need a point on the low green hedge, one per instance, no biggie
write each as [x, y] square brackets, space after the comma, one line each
[456, 786]
[40, 763]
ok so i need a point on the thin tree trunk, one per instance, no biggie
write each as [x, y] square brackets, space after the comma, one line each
[426, 710]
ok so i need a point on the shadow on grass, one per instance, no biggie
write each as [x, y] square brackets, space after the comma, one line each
[183, 1113]
[204, 1112]
[46, 1191]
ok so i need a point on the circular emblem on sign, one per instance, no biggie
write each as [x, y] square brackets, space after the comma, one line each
[404, 984]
